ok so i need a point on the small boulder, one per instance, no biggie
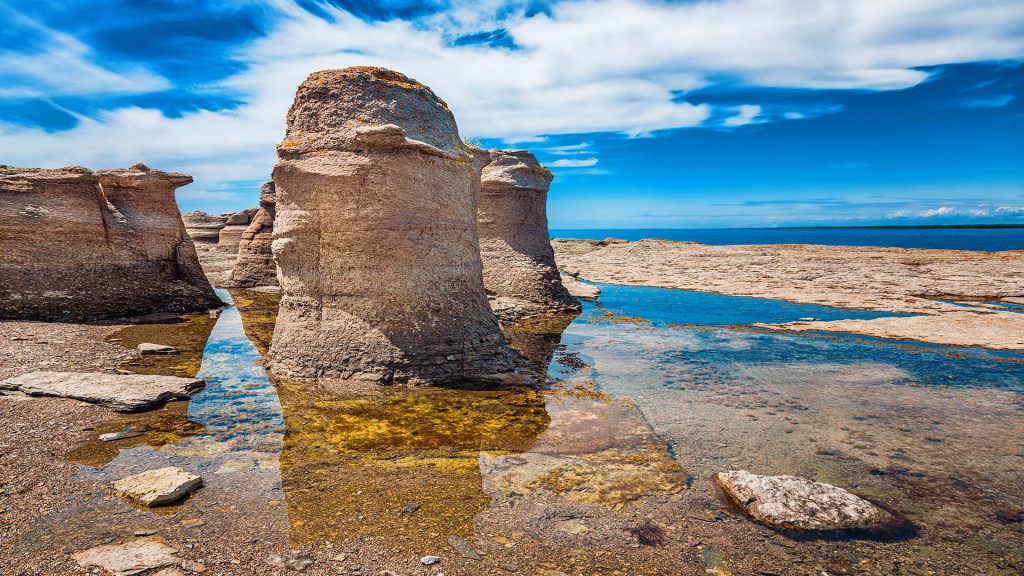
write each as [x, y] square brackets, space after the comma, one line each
[147, 348]
[129, 558]
[792, 502]
[158, 487]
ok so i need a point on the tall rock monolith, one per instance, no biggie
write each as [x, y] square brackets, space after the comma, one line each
[375, 238]
[83, 245]
[519, 267]
[255, 265]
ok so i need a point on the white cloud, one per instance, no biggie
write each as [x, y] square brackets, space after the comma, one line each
[64, 67]
[940, 211]
[573, 163]
[588, 66]
[746, 114]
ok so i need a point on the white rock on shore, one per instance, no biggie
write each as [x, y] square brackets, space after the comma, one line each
[579, 289]
[158, 487]
[129, 558]
[793, 502]
[121, 392]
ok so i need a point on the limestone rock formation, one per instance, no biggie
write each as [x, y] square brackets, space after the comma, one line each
[203, 228]
[235, 224]
[158, 487]
[518, 262]
[255, 265]
[792, 502]
[88, 245]
[375, 238]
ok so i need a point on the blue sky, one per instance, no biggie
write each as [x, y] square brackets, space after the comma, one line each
[650, 113]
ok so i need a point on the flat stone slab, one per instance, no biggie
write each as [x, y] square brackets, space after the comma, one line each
[580, 289]
[129, 558]
[121, 392]
[158, 487]
[793, 502]
[148, 348]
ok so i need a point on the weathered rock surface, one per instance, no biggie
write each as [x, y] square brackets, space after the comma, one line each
[235, 224]
[579, 289]
[861, 277]
[82, 245]
[203, 228]
[793, 502]
[148, 348]
[375, 238]
[129, 558]
[255, 265]
[518, 262]
[121, 392]
[158, 487]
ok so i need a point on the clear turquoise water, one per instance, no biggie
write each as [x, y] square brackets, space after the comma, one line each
[986, 239]
[694, 341]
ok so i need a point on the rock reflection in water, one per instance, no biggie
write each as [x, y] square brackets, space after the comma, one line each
[187, 334]
[155, 429]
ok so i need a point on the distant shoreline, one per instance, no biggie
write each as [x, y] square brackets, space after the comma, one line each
[866, 227]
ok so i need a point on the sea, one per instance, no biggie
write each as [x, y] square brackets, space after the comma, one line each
[981, 239]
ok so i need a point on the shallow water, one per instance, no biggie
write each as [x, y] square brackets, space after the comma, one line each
[608, 469]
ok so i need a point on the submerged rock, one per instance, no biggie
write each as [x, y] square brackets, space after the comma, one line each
[375, 238]
[129, 558]
[793, 502]
[518, 261]
[121, 392]
[81, 245]
[255, 265]
[158, 487]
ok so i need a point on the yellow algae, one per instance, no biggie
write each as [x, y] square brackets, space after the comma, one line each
[155, 429]
[187, 334]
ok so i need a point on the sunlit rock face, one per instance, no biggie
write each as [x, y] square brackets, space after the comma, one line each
[203, 228]
[235, 225]
[85, 245]
[375, 238]
[255, 265]
[519, 264]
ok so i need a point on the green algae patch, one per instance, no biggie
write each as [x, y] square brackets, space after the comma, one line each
[187, 334]
[155, 429]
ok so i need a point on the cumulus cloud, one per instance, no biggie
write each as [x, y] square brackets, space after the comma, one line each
[580, 67]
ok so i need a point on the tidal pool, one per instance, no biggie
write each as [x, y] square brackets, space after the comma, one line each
[606, 470]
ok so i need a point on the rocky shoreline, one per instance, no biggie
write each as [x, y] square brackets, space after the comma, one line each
[950, 292]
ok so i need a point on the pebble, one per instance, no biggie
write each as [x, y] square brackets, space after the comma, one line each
[429, 560]
[463, 547]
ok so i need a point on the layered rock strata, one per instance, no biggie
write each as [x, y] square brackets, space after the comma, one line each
[83, 245]
[203, 228]
[375, 238]
[519, 268]
[235, 224]
[255, 265]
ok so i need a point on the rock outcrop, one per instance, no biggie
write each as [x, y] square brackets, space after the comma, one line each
[792, 502]
[520, 274]
[158, 487]
[235, 224]
[83, 245]
[255, 265]
[203, 228]
[375, 238]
